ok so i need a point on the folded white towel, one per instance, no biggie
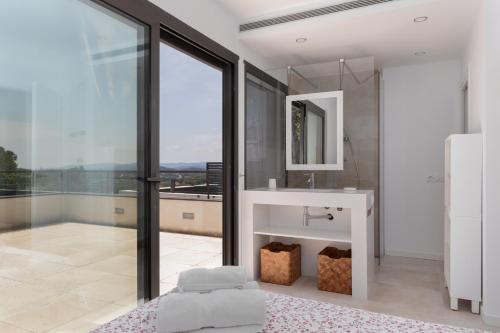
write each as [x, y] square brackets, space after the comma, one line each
[251, 285]
[180, 312]
[248, 285]
[204, 279]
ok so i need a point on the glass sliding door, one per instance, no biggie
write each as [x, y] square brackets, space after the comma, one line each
[71, 94]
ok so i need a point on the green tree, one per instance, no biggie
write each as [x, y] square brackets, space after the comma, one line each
[8, 168]
[8, 160]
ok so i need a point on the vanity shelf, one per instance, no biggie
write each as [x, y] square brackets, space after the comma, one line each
[325, 235]
[269, 214]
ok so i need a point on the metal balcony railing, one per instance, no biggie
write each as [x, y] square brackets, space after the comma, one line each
[26, 182]
[207, 182]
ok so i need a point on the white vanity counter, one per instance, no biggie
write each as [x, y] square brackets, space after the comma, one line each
[278, 215]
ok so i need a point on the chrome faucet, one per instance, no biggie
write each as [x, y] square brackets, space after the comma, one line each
[310, 179]
[308, 217]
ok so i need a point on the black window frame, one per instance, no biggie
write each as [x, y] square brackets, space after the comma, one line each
[163, 25]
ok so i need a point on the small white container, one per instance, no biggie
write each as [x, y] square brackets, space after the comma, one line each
[272, 183]
[350, 189]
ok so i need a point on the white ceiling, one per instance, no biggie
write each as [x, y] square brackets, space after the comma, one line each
[385, 31]
[248, 10]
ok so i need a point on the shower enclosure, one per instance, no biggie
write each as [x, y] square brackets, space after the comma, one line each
[359, 81]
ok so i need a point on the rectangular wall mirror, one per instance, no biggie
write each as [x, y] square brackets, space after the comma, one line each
[314, 131]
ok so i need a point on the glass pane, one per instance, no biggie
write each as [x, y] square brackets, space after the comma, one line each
[190, 164]
[264, 134]
[70, 93]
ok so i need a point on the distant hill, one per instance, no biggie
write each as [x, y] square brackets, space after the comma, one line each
[183, 166]
[196, 166]
[110, 167]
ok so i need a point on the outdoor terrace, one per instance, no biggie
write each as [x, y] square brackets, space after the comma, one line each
[68, 259]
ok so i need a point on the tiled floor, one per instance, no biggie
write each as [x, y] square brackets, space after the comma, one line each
[411, 288]
[73, 277]
[179, 252]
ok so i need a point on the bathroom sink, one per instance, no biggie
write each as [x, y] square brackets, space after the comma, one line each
[298, 189]
[317, 190]
[326, 190]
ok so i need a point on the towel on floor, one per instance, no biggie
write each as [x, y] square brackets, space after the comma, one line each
[204, 279]
[180, 312]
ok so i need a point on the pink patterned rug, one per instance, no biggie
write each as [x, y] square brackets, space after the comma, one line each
[291, 314]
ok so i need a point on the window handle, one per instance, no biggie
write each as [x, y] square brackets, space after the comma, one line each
[150, 179]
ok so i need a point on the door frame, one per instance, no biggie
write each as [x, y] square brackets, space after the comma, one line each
[229, 136]
[163, 25]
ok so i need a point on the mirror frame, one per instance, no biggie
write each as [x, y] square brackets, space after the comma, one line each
[339, 95]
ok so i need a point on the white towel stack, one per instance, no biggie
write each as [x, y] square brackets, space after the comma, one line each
[213, 300]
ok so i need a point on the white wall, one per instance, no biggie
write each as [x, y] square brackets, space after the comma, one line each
[482, 64]
[422, 106]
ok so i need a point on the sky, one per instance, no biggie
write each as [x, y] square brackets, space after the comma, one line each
[61, 105]
[59, 108]
[190, 109]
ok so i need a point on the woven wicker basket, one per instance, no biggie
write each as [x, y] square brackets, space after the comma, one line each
[280, 263]
[335, 270]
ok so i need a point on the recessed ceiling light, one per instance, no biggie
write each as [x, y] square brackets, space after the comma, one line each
[420, 53]
[301, 40]
[420, 19]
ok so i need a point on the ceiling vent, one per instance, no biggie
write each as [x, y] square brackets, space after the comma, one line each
[310, 13]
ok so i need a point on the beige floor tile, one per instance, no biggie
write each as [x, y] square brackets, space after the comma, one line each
[187, 257]
[183, 243]
[120, 264]
[16, 298]
[165, 250]
[88, 269]
[107, 233]
[131, 253]
[93, 319]
[129, 300]
[170, 279]
[8, 328]
[166, 287]
[211, 262]
[26, 268]
[71, 279]
[7, 283]
[211, 247]
[170, 268]
[110, 289]
[55, 313]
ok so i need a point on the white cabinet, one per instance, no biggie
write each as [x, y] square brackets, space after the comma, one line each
[462, 229]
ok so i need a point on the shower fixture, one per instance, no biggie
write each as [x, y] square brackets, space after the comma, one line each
[343, 65]
[291, 70]
[347, 140]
